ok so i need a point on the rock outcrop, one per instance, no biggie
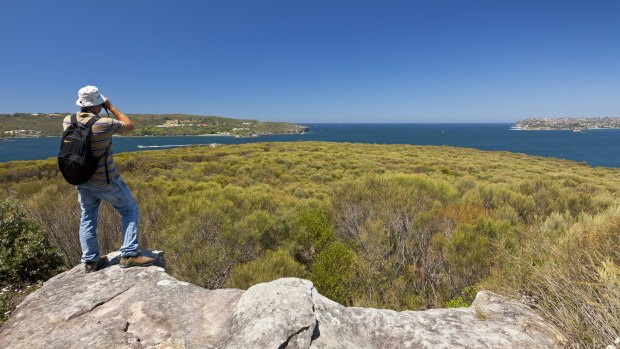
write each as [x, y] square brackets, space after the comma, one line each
[147, 308]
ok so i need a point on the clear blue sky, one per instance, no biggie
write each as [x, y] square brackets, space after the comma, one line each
[316, 61]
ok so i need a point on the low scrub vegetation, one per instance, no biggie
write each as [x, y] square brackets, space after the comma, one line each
[390, 226]
[26, 256]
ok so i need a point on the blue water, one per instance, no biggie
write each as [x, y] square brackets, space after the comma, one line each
[596, 147]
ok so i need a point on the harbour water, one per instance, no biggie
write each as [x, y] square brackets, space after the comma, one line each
[595, 147]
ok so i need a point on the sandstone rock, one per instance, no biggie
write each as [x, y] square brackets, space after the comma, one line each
[147, 308]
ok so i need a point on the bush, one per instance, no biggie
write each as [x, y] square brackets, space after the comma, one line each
[470, 251]
[272, 265]
[25, 256]
[464, 300]
[333, 272]
[314, 232]
[25, 253]
[571, 277]
[5, 305]
[390, 221]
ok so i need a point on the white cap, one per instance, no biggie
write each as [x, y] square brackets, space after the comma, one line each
[89, 96]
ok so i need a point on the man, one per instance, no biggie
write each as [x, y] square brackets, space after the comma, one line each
[105, 186]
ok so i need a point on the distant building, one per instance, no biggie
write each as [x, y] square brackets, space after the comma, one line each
[26, 133]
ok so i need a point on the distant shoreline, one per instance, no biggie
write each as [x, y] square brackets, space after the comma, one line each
[563, 129]
[157, 125]
[575, 124]
[150, 136]
[597, 148]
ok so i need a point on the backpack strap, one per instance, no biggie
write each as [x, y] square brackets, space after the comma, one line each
[88, 125]
[107, 150]
[91, 122]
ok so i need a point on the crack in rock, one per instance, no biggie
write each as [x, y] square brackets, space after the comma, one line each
[285, 344]
[316, 333]
[98, 304]
[315, 330]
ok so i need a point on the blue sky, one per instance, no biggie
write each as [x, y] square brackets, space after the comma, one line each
[316, 61]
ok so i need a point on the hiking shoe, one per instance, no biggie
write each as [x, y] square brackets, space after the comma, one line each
[94, 266]
[136, 261]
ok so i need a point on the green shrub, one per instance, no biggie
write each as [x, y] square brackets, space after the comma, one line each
[390, 221]
[272, 265]
[333, 272]
[313, 230]
[464, 300]
[571, 274]
[25, 254]
[5, 305]
[470, 250]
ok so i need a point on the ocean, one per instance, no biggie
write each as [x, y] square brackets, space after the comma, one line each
[595, 147]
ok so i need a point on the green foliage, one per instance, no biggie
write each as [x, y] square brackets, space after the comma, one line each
[457, 302]
[470, 250]
[391, 226]
[464, 300]
[5, 306]
[333, 273]
[314, 231]
[390, 220]
[12, 295]
[570, 272]
[272, 265]
[25, 254]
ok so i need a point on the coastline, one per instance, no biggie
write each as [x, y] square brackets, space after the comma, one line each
[598, 148]
[576, 124]
[150, 136]
[563, 129]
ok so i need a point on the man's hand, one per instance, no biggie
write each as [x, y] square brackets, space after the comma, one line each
[120, 116]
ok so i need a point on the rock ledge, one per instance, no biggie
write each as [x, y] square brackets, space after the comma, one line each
[147, 308]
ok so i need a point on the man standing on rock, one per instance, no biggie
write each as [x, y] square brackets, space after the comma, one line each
[105, 184]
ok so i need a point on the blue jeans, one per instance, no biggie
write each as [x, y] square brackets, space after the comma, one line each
[116, 193]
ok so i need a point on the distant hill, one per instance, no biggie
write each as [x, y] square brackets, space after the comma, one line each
[40, 125]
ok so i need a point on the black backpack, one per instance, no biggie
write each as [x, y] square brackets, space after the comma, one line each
[75, 159]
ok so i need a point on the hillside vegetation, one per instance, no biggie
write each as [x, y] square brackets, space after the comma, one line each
[148, 125]
[390, 226]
